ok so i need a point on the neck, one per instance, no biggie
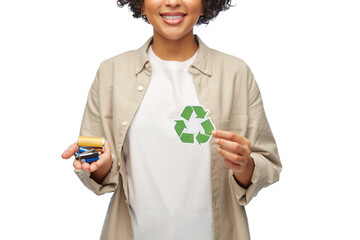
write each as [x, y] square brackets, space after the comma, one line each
[174, 50]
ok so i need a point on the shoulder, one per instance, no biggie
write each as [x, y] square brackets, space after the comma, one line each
[228, 62]
[121, 58]
[123, 63]
[214, 61]
[131, 60]
[230, 69]
[231, 73]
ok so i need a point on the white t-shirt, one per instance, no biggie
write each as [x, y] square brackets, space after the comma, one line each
[169, 180]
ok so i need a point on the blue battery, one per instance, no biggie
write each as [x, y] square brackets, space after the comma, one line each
[90, 160]
[82, 149]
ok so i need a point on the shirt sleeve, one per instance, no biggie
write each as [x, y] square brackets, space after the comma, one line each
[262, 145]
[92, 126]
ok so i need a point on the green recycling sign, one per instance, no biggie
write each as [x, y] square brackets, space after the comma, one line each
[189, 114]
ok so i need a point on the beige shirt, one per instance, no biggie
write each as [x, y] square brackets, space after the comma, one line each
[227, 88]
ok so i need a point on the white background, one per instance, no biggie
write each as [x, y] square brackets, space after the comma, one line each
[304, 54]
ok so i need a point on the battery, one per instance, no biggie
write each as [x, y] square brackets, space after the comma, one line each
[86, 155]
[95, 142]
[84, 149]
[90, 160]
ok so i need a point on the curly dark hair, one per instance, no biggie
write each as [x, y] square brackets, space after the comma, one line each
[211, 9]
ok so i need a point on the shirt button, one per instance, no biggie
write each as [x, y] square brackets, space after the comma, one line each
[140, 88]
[124, 123]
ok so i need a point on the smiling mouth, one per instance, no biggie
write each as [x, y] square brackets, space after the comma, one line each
[173, 17]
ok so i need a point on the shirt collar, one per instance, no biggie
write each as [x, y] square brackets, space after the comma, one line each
[201, 63]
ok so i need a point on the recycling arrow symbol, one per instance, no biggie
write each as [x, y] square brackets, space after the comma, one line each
[207, 126]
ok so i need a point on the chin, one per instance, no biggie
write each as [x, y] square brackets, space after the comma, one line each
[173, 36]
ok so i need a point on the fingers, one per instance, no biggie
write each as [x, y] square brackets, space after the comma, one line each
[77, 164]
[104, 157]
[233, 157]
[230, 136]
[106, 154]
[232, 141]
[68, 153]
[86, 166]
[233, 166]
[234, 148]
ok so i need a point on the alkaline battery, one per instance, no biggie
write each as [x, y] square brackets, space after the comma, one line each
[95, 142]
[85, 155]
[84, 149]
[90, 160]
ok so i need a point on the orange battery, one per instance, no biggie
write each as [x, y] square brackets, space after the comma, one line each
[95, 142]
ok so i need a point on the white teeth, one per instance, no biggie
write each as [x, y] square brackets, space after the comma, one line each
[173, 17]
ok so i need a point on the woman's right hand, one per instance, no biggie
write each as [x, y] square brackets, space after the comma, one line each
[98, 169]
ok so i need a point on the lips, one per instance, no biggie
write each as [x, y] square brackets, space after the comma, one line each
[173, 18]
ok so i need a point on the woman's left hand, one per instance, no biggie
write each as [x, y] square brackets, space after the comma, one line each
[236, 152]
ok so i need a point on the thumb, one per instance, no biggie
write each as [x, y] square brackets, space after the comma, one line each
[68, 153]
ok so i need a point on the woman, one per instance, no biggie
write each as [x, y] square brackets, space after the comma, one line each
[173, 178]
